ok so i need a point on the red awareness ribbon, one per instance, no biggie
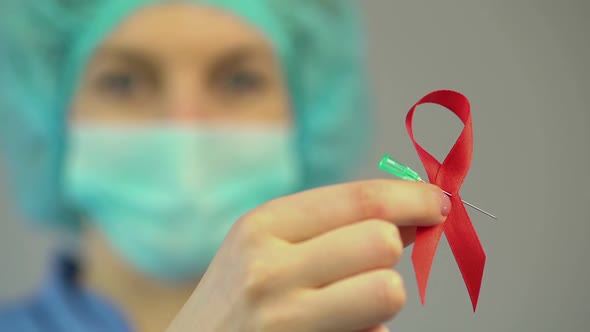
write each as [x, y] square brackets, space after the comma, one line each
[449, 176]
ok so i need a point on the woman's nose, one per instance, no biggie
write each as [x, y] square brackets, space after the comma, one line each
[186, 112]
[186, 101]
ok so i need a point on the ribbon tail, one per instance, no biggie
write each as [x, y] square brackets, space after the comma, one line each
[467, 249]
[427, 239]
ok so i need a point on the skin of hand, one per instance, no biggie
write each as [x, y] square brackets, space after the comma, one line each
[319, 260]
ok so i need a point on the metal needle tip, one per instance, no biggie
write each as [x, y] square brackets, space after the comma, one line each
[473, 206]
[469, 204]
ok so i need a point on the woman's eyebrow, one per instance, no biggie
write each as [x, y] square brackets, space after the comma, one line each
[126, 55]
[223, 58]
[243, 54]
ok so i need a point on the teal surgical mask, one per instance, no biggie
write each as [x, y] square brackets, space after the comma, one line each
[165, 197]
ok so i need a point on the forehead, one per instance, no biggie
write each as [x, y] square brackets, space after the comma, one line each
[190, 29]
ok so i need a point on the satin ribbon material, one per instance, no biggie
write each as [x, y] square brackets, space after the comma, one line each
[449, 176]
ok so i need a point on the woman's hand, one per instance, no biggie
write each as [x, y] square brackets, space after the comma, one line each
[319, 260]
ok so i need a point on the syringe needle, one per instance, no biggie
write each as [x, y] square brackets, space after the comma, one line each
[473, 206]
[402, 171]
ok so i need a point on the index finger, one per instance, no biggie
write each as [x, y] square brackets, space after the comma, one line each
[307, 214]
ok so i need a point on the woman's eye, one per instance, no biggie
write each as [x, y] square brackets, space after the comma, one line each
[119, 84]
[240, 82]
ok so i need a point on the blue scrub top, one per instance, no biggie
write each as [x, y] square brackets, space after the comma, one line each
[63, 305]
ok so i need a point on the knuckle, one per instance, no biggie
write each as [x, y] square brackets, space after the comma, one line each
[277, 318]
[259, 279]
[367, 197]
[249, 229]
[391, 294]
[385, 242]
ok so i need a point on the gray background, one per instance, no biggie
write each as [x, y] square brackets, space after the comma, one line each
[524, 66]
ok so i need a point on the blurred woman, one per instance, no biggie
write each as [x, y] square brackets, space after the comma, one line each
[193, 149]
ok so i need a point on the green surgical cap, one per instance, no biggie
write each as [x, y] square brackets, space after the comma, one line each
[44, 47]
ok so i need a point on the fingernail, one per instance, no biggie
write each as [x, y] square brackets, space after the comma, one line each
[445, 204]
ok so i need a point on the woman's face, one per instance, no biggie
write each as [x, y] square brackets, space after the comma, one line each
[183, 63]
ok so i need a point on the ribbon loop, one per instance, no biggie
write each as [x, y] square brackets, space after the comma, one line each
[455, 167]
[449, 176]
